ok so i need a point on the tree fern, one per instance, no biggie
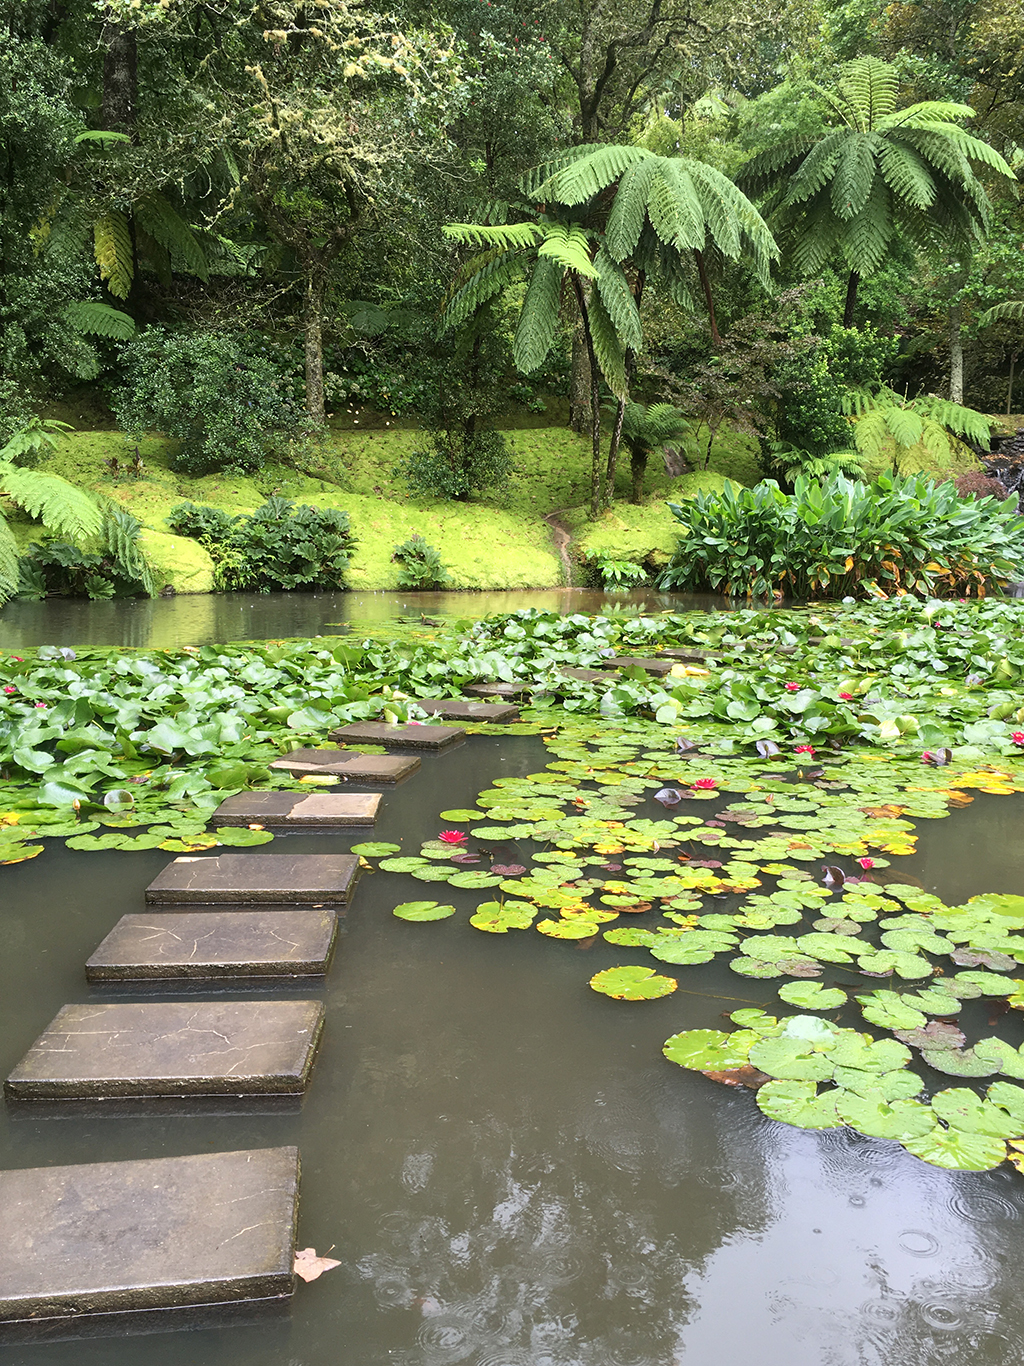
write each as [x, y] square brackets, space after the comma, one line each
[69, 511]
[166, 226]
[1012, 310]
[97, 319]
[608, 347]
[618, 300]
[479, 280]
[495, 235]
[114, 252]
[538, 320]
[9, 571]
[121, 534]
[854, 175]
[583, 177]
[569, 247]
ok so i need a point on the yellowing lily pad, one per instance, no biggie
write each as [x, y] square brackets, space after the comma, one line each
[632, 984]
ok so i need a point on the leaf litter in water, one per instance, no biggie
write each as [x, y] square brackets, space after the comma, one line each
[309, 1266]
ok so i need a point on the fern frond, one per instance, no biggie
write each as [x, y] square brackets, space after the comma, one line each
[870, 88]
[9, 571]
[674, 209]
[1012, 310]
[817, 168]
[570, 247]
[538, 320]
[589, 174]
[629, 209]
[967, 422]
[854, 175]
[818, 240]
[165, 225]
[69, 511]
[618, 300]
[870, 433]
[539, 175]
[971, 147]
[608, 348]
[866, 236]
[906, 173]
[495, 235]
[149, 252]
[115, 256]
[96, 319]
[772, 164]
[479, 280]
[121, 535]
[904, 425]
[101, 135]
[925, 112]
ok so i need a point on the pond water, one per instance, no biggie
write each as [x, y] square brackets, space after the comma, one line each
[510, 1173]
[203, 618]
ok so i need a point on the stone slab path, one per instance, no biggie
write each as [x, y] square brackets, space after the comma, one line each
[213, 945]
[360, 768]
[301, 809]
[659, 667]
[411, 736]
[587, 675]
[498, 689]
[106, 1241]
[171, 1048]
[275, 879]
[452, 709]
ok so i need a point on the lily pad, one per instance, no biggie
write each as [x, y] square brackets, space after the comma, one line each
[459, 816]
[960, 1108]
[1010, 1059]
[423, 910]
[867, 1055]
[376, 849]
[631, 937]
[877, 1117]
[812, 996]
[958, 1151]
[888, 1010]
[568, 929]
[758, 1020]
[1008, 1098]
[240, 837]
[755, 967]
[632, 984]
[407, 864]
[473, 880]
[790, 1060]
[709, 1050]
[798, 1103]
[899, 1085]
[956, 1062]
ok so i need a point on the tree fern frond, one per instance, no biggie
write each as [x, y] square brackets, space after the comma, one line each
[870, 88]
[903, 424]
[629, 209]
[121, 534]
[539, 175]
[818, 240]
[538, 320]
[817, 168]
[618, 300]
[866, 236]
[854, 175]
[674, 210]
[906, 173]
[870, 434]
[96, 319]
[608, 349]
[570, 247]
[764, 169]
[9, 571]
[967, 422]
[589, 174]
[971, 147]
[101, 135]
[479, 281]
[1012, 310]
[923, 113]
[165, 225]
[149, 252]
[112, 247]
[65, 509]
[495, 235]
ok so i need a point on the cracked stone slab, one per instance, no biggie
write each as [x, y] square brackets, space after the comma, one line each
[360, 768]
[302, 809]
[452, 709]
[171, 1048]
[203, 945]
[277, 879]
[104, 1245]
[410, 736]
[660, 667]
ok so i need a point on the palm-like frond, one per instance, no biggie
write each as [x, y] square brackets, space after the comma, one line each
[618, 300]
[865, 237]
[963, 421]
[112, 247]
[538, 320]
[570, 247]
[97, 319]
[906, 173]
[161, 220]
[121, 534]
[65, 509]
[1011, 310]
[479, 280]
[9, 572]
[585, 176]
[539, 175]
[629, 209]
[495, 235]
[854, 175]
[923, 113]
[608, 346]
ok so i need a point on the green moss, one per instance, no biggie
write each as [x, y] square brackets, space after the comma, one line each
[177, 561]
[645, 534]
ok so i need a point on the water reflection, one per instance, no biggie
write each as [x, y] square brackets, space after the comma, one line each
[200, 619]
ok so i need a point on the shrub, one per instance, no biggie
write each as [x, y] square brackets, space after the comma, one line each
[119, 570]
[453, 464]
[608, 572]
[226, 405]
[421, 565]
[978, 484]
[845, 539]
[279, 546]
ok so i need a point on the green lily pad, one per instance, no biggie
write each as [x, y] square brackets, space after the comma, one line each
[430, 874]
[866, 1055]
[812, 996]
[632, 984]
[473, 880]
[629, 936]
[899, 1085]
[758, 1020]
[240, 837]
[889, 1010]
[1010, 1060]
[960, 1062]
[459, 816]
[422, 910]
[1008, 1098]
[408, 864]
[375, 849]
[568, 929]
[958, 1151]
[934, 1001]
[797, 1103]
[755, 967]
[498, 917]
[828, 948]
[790, 1060]
[988, 983]
[960, 1108]
[709, 1050]
[877, 1117]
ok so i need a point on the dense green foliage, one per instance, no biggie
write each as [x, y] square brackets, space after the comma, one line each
[279, 546]
[118, 570]
[421, 565]
[841, 538]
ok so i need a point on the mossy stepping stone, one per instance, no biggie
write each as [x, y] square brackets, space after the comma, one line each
[359, 768]
[217, 945]
[245, 879]
[298, 809]
[413, 735]
[171, 1049]
[660, 667]
[116, 1247]
[452, 709]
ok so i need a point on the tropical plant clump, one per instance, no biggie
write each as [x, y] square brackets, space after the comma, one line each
[118, 570]
[279, 546]
[842, 538]
[421, 566]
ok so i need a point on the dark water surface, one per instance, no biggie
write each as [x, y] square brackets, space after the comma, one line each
[203, 618]
[510, 1173]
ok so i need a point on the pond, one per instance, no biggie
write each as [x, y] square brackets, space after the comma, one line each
[510, 1173]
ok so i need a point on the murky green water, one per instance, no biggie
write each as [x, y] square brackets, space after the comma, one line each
[202, 618]
[512, 1175]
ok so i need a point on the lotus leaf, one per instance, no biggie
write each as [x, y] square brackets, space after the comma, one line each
[709, 1050]
[423, 910]
[755, 967]
[632, 984]
[790, 1059]
[899, 1085]
[960, 1108]
[406, 864]
[812, 996]
[375, 849]
[568, 929]
[889, 1010]
[955, 1062]
[797, 1103]
[958, 1151]
[877, 1117]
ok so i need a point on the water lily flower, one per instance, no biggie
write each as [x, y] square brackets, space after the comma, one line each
[804, 749]
[791, 687]
[17, 659]
[846, 696]
[1017, 737]
[452, 837]
[706, 784]
[10, 688]
[866, 862]
[40, 706]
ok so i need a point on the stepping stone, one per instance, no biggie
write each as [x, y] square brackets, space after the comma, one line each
[692, 656]
[171, 1048]
[497, 689]
[586, 675]
[660, 667]
[410, 736]
[199, 945]
[455, 710]
[234, 879]
[360, 768]
[88, 1250]
[298, 809]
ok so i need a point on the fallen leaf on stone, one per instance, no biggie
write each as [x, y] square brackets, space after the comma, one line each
[309, 1266]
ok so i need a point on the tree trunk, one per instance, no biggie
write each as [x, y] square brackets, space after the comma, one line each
[595, 398]
[638, 468]
[613, 447]
[313, 323]
[851, 298]
[120, 80]
[579, 383]
[1009, 389]
[956, 354]
[705, 284]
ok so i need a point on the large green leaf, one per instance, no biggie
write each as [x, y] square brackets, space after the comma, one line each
[812, 996]
[632, 984]
[797, 1103]
[960, 1108]
[871, 1113]
[709, 1050]
[422, 910]
[958, 1151]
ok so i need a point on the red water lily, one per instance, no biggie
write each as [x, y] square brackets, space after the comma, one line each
[846, 696]
[452, 837]
[866, 862]
[1017, 737]
[791, 687]
[10, 688]
[706, 784]
[804, 749]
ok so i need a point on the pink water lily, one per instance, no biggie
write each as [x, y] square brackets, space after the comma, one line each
[804, 749]
[10, 688]
[1017, 737]
[40, 706]
[452, 837]
[866, 862]
[791, 687]
[846, 696]
[706, 784]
